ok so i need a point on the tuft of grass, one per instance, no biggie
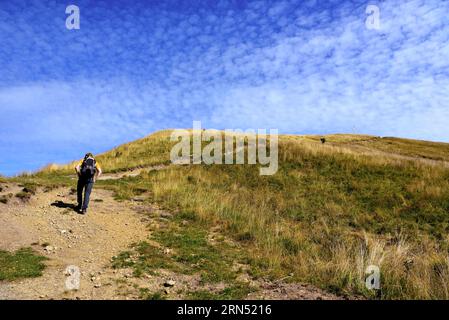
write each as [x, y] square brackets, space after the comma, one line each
[144, 259]
[5, 198]
[145, 294]
[24, 196]
[29, 187]
[24, 263]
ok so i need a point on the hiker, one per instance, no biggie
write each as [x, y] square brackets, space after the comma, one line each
[88, 171]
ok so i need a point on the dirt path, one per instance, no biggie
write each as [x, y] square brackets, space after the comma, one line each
[130, 173]
[48, 224]
[53, 228]
[363, 149]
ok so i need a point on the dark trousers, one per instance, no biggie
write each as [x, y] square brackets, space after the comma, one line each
[86, 186]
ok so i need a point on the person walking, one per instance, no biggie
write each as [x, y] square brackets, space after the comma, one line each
[88, 170]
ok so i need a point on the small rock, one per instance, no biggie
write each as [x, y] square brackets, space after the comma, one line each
[97, 285]
[49, 248]
[169, 283]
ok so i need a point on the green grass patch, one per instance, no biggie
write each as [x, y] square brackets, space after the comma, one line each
[146, 294]
[195, 254]
[143, 259]
[24, 263]
[190, 254]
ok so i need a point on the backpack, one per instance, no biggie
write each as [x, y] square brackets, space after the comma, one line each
[88, 169]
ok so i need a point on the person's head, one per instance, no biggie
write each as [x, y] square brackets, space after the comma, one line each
[88, 155]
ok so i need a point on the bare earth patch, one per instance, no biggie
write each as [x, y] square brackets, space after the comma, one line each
[68, 238]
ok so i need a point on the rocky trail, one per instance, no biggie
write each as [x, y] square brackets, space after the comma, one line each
[48, 223]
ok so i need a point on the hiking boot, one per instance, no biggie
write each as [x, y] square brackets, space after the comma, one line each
[84, 211]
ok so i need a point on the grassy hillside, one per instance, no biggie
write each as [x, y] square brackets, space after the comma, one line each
[330, 211]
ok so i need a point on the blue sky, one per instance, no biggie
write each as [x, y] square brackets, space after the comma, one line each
[139, 66]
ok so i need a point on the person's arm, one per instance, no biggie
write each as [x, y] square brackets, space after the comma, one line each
[98, 172]
[78, 169]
